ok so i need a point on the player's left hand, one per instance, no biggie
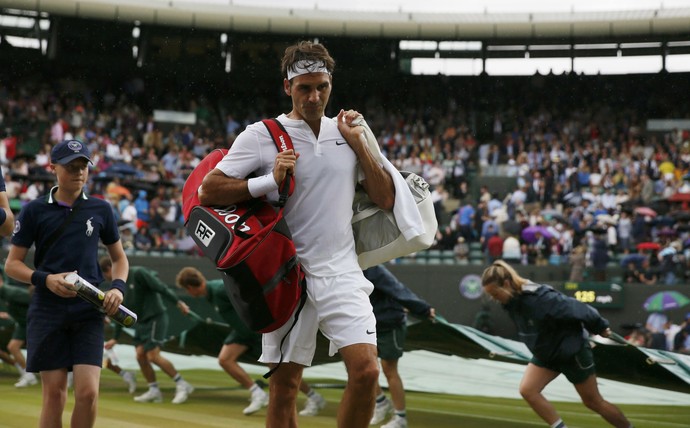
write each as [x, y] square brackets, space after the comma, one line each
[111, 302]
[351, 133]
[605, 333]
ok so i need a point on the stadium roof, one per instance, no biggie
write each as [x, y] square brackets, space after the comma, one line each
[429, 19]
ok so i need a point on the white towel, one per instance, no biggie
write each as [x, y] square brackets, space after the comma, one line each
[405, 210]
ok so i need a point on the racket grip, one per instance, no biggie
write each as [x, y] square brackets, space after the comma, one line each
[95, 296]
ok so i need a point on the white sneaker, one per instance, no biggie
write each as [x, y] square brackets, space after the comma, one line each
[150, 396]
[314, 403]
[182, 392]
[396, 422]
[381, 410]
[26, 380]
[131, 381]
[258, 400]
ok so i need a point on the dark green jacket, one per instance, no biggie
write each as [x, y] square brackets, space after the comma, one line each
[145, 293]
[17, 299]
[218, 298]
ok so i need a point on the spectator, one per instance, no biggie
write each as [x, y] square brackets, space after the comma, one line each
[494, 248]
[599, 257]
[577, 260]
[143, 240]
[511, 250]
[461, 249]
[646, 274]
[655, 325]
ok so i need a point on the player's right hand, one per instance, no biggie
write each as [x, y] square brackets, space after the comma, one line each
[57, 284]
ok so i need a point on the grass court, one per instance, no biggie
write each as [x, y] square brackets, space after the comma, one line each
[218, 402]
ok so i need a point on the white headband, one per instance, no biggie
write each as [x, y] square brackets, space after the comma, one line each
[306, 66]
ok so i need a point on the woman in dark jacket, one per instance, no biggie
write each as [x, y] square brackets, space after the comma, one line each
[554, 327]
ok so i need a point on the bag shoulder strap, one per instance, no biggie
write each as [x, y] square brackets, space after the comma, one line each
[279, 134]
[283, 142]
[54, 237]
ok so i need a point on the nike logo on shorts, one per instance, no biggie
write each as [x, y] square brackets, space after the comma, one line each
[371, 332]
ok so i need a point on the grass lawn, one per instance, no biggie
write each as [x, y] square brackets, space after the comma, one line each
[218, 402]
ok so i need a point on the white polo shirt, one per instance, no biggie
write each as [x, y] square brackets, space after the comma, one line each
[319, 211]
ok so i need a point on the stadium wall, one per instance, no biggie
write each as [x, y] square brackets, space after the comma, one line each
[452, 290]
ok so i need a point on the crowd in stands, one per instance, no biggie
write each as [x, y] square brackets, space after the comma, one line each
[579, 172]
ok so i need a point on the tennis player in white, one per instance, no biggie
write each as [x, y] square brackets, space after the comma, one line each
[328, 160]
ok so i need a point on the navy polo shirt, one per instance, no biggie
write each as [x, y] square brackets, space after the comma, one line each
[77, 247]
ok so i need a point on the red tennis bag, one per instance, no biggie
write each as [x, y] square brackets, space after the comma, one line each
[251, 245]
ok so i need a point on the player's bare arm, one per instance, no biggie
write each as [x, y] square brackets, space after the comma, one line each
[220, 189]
[377, 182]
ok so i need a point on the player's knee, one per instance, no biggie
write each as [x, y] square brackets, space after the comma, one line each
[367, 375]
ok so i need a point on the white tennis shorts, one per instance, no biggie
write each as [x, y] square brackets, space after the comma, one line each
[339, 306]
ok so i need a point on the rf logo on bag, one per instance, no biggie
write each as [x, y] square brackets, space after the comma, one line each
[204, 233]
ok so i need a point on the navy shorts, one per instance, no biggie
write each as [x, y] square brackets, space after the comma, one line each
[53, 344]
[577, 369]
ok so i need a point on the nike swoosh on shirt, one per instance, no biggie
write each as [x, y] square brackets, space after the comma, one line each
[340, 143]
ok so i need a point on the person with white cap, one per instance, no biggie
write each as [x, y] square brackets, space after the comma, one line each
[64, 332]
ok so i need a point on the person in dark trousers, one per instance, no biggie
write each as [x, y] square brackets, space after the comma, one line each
[391, 301]
[144, 297]
[554, 327]
[240, 341]
[65, 332]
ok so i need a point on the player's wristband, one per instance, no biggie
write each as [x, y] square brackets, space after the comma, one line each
[119, 284]
[3, 216]
[259, 186]
[39, 278]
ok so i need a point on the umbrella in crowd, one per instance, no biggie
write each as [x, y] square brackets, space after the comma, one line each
[680, 215]
[664, 220]
[664, 300]
[511, 227]
[529, 234]
[645, 211]
[667, 231]
[684, 198]
[648, 246]
[122, 170]
[119, 190]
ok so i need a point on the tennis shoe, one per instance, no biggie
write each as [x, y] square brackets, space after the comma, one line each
[182, 392]
[26, 380]
[258, 400]
[314, 404]
[131, 381]
[150, 396]
[397, 422]
[381, 410]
